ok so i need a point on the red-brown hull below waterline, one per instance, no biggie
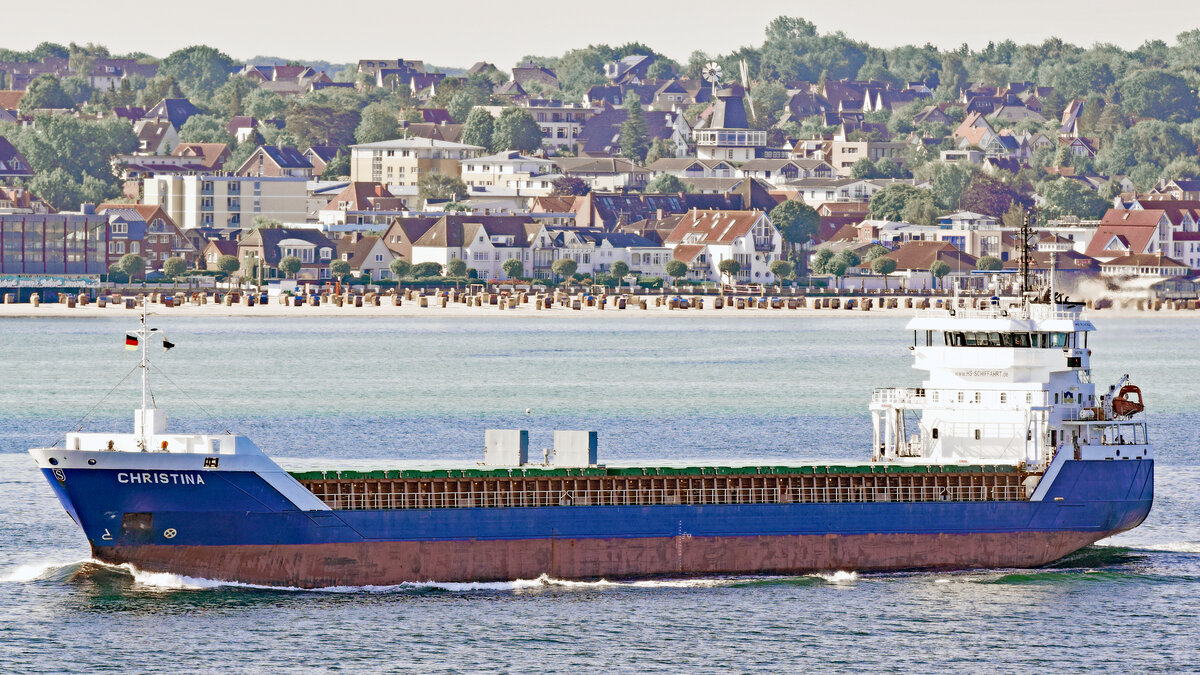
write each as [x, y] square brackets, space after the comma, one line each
[389, 563]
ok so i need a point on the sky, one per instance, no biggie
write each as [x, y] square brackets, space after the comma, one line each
[457, 33]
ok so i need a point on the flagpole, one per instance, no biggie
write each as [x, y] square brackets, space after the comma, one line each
[145, 337]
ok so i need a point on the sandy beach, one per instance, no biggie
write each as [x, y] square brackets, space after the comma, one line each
[454, 310]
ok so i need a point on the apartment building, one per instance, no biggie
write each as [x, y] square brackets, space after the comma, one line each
[561, 122]
[402, 161]
[228, 201]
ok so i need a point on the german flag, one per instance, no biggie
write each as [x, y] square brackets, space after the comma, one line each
[131, 342]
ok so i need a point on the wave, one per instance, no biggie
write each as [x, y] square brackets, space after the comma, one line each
[838, 577]
[39, 571]
[92, 569]
[1167, 547]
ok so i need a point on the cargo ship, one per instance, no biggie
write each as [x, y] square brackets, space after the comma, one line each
[1006, 456]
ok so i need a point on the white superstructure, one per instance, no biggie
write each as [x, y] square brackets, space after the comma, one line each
[1004, 386]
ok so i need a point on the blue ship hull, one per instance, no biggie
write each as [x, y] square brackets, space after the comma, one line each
[235, 526]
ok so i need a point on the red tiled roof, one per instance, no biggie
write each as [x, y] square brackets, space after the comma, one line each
[920, 255]
[10, 99]
[1145, 260]
[1143, 218]
[686, 253]
[714, 227]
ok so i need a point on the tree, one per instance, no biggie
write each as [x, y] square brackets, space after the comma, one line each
[660, 148]
[516, 130]
[457, 267]
[339, 269]
[676, 269]
[1158, 94]
[289, 265]
[569, 186]
[819, 264]
[954, 74]
[875, 252]
[379, 122]
[634, 138]
[132, 265]
[203, 129]
[887, 167]
[1151, 143]
[230, 97]
[1067, 197]
[619, 269]
[863, 168]
[883, 266]
[115, 275]
[849, 257]
[72, 158]
[769, 98]
[949, 181]
[199, 70]
[512, 268]
[781, 269]
[797, 222]
[63, 191]
[264, 104]
[893, 201]
[174, 267]
[78, 89]
[399, 267]
[729, 268]
[564, 267]
[991, 196]
[158, 88]
[479, 128]
[229, 264]
[937, 270]
[337, 167]
[44, 93]
[667, 183]
[425, 270]
[321, 124]
[441, 186]
[988, 263]
[579, 69]
[463, 102]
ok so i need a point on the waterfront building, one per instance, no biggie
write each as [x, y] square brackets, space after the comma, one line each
[704, 239]
[402, 161]
[145, 230]
[265, 247]
[210, 200]
[510, 171]
[54, 243]
[727, 133]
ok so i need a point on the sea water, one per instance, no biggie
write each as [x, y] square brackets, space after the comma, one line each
[365, 392]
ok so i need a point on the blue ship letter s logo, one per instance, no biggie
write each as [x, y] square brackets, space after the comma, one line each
[60, 476]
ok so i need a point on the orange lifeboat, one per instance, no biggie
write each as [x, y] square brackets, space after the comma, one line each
[1124, 403]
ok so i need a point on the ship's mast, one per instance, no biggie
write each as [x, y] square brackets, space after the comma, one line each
[1025, 234]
